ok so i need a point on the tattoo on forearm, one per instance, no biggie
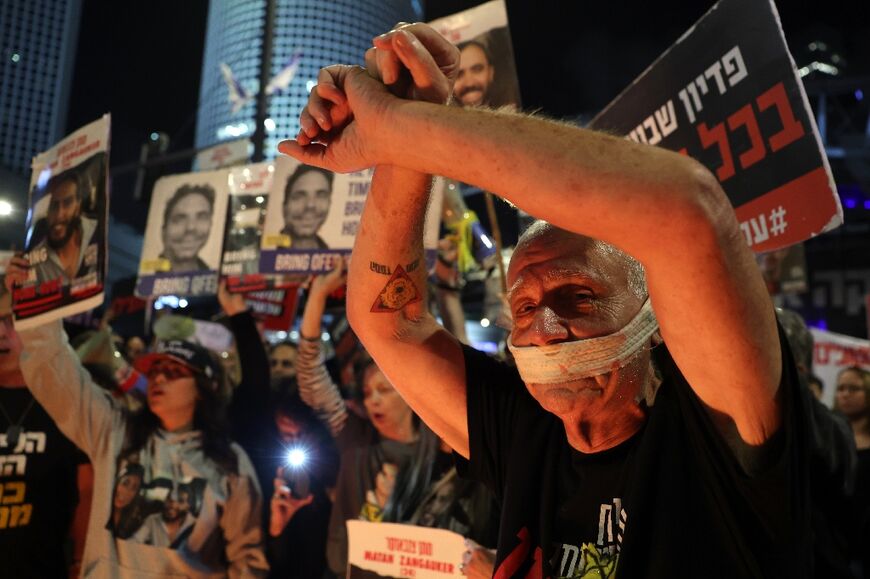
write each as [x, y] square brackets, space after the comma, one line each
[379, 268]
[399, 292]
[385, 269]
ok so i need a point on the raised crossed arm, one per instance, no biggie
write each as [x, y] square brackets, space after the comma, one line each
[661, 207]
[387, 274]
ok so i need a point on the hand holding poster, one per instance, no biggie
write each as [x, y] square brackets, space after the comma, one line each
[184, 235]
[66, 228]
[728, 94]
[312, 218]
[393, 550]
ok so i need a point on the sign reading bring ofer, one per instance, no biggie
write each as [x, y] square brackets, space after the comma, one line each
[313, 215]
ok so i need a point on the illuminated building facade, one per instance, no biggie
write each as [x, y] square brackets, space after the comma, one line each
[325, 32]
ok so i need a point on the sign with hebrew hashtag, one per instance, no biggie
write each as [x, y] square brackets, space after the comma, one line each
[729, 95]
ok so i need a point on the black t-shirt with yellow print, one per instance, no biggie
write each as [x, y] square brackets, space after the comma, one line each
[38, 490]
[671, 501]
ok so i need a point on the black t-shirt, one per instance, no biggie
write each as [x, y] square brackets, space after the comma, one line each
[861, 535]
[39, 491]
[672, 501]
[300, 550]
[589, 506]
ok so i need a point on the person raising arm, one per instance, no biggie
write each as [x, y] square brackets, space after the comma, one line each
[596, 185]
[608, 447]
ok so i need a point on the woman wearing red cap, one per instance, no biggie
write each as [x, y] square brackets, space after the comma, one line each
[198, 503]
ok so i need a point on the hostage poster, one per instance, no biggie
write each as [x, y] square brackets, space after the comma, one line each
[729, 95]
[184, 235]
[487, 73]
[313, 215]
[486, 77]
[392, 550]
[66, 228]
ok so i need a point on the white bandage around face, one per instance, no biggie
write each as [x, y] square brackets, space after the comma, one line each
[569, 361]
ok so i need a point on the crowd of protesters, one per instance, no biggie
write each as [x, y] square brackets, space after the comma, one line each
[190, 453]
[161, 457]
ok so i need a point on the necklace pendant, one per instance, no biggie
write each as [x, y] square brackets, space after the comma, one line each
[13, 433]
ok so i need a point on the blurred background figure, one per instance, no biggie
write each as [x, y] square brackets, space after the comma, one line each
[853, 400]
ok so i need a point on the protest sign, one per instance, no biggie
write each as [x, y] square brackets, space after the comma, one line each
[834, 352]
[184, 235]
[487, 73]
[276, 308]
[66, 228]
[728, 94]
[312, 218]
[393, 550]
[487, 77]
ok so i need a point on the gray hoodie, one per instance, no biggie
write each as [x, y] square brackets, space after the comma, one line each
[203, 523]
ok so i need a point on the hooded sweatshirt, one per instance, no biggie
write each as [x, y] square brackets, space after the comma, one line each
[165, 511]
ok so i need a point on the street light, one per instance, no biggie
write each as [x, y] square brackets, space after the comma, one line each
[5, 208]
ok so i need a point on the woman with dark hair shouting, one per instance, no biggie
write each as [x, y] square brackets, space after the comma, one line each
[197, 502]
[388, 462]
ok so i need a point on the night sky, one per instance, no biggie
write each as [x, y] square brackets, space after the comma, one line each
[141, 61]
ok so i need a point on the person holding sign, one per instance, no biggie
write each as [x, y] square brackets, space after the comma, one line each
[198, 509]
[660, 442]
[47, 480]
[387, 462]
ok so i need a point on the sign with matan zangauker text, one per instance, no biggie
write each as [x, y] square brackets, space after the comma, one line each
[402, 551]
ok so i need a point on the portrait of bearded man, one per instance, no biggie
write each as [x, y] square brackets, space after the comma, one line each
[68, 234]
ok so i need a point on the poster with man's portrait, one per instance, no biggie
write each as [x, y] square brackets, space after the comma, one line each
[181, 253]
[313, 215]
[487, 71]
[66, 228]
[157, 509]
[249, 190]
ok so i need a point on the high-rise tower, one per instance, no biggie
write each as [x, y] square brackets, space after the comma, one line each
[324, 31]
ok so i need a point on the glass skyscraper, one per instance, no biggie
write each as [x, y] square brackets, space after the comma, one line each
[324, 31]
[38, 41]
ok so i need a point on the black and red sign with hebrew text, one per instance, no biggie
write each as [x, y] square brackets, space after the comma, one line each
[728, 94]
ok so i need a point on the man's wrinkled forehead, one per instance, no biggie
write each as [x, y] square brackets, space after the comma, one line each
[555, 255]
